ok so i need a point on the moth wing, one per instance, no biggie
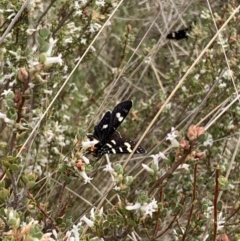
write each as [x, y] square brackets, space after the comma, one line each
[117, 144]
[101, 130]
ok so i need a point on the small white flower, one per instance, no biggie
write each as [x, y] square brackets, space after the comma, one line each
[206, 87]
[222, 84]
[48, 92]
[87, 144]
[92, 30]
[75, 232]
[5, 77]
[147, 168]
[31, 85]
[11, 15]
[184, 89]
[150, 208]
[133, 207]
[117, 188]
[100, 211]
[79, 12]
[146, 208]
[68, 40]
[12, 83]
[6, 120]
[47, 236]
[67, 236]
[169, 106]
[2, 116]
[156, 158]
[6, 92]
[227, 74]
[30, 31]
[172, 135]
[196, 76]
[221, 221]
[49, 135]
[66, 117]
[109, 168]
[147, 60]
[115, 70]
[206, 237]
[94, 27]
[89, 222]
[209, 141]
[52, 42]
[100, 3]
[92, 213]
[76, 5]
[83, 41]
[86, 178]
[184, 166]
[53, 60]
[86, 160]
[205, 15]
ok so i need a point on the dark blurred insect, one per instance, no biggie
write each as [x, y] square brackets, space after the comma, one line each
[110, 140]
[180, 34]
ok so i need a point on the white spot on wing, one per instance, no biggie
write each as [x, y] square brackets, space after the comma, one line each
[113, 151]
[105, 127]
[120, 149]
[109, 145]
[128, 147]
[119, 117]
[113, 142]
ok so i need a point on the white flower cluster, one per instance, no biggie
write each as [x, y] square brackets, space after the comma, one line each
[73, 235]
[145, 208]
[172, 137]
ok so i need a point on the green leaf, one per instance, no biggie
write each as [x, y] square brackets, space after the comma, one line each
[219, 205]
[14, 167]
[6, 163]
[106, 224]
[31, 184]
[59, 221]
[42, 58]
[178, 208]
[44, 33]
[4, 193]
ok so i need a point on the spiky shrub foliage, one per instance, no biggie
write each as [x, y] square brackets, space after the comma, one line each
[49, 190]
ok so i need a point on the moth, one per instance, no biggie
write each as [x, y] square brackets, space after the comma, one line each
[109, 139]
[180, 34]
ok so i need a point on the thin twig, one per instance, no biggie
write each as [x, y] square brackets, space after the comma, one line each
[15, 202]
[215, 203]
[193, 201]
[156, 227]
[14, 21]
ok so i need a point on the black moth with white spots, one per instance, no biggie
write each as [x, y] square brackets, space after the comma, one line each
[110, 140]
[179, 34]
